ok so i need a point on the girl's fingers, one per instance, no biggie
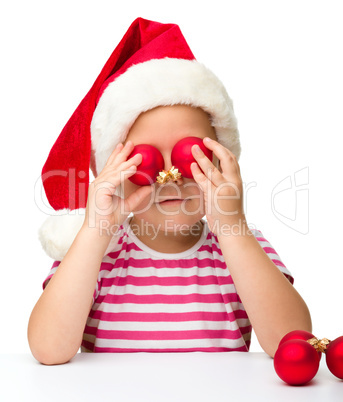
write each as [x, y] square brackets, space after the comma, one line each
[118, 176]
[234, 158]
[210, 171]
[228, 161]
[135, 198]
[115, 172]
[203, 182]
[134, 161]
[120, 154]
[114, 154]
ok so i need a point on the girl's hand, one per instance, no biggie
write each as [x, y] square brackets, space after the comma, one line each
[105, 210]
[223, 191]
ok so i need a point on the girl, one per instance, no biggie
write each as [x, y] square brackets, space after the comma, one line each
[144, 272]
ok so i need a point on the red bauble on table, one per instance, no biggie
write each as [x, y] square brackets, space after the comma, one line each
[296, 362]
[334, 357]
[299, 334]
[148, 169]
[182, 158]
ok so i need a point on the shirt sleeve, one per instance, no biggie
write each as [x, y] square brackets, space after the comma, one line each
[54, 269]
[272, 254]
[51, 273]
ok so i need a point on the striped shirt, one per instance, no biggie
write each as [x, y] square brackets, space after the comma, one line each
[147, 301]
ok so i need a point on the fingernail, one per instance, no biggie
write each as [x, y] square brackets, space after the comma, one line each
[197, 149]
[207, 139]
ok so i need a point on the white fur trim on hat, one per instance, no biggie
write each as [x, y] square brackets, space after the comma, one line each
[58, 232]
[160, 82]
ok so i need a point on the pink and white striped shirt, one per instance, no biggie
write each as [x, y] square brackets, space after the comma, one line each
[147, 301]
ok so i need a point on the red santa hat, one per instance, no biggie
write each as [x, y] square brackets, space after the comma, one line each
[151, 66]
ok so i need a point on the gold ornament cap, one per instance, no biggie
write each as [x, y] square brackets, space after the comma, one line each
[172, 174]
[319, 344]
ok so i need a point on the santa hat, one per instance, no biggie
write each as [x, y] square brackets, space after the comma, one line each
[152, 66]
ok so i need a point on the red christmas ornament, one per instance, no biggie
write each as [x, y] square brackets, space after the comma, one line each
[296, 362]
[152, 163]
[334, 357]
[182, 157]
[300, 334]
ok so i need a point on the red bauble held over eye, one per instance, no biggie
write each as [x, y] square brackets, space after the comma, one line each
[148, 169]
[182, 158]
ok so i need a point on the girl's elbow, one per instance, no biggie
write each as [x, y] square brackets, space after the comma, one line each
[48, 353]
[51, 358]
[48, 349]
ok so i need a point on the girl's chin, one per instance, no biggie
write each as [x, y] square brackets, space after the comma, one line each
[176, 207]
[169, 220]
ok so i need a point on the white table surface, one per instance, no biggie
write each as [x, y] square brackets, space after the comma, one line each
[162, 377]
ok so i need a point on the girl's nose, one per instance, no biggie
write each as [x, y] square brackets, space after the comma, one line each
[168, 165]
[167, 160]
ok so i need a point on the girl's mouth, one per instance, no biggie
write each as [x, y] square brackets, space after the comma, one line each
[172, 201]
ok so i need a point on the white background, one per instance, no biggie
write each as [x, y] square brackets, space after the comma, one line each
[281, 62]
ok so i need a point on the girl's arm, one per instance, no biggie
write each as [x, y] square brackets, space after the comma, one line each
[58, 319]
[273, 305]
